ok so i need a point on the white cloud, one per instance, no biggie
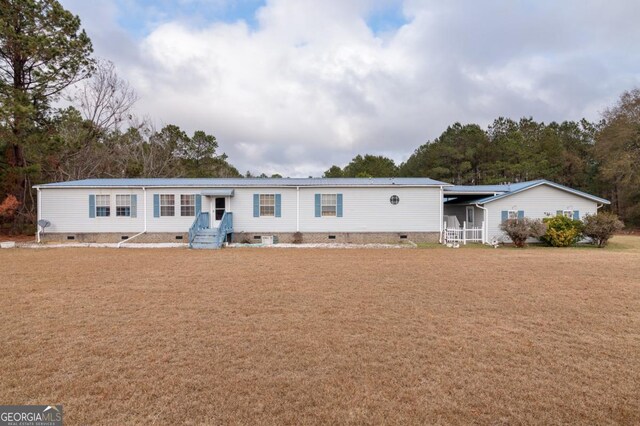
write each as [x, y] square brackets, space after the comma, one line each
[312, 84]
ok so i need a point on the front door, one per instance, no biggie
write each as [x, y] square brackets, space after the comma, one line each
[470, 219]
[218, 211]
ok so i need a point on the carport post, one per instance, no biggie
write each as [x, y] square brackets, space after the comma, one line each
[464, 233]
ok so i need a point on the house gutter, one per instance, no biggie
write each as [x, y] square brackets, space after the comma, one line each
[144, 203]
[39, 199]
[485, 223]
[297, 209]
[441, 214]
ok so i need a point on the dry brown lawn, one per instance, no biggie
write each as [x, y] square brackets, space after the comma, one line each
[288, 336]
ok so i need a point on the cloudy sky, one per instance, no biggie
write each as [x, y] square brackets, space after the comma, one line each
[294, 86]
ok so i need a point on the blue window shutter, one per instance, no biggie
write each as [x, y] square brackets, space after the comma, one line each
[156, 205]
[92, 205]
[339, 205]
[278, 205]
[318, 205]
[256, 205]
[505, 215]
[576, 214]
[198, 204]
[134, 205]
[520, 214]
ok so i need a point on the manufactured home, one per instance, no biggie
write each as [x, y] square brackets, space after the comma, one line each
[206, 213]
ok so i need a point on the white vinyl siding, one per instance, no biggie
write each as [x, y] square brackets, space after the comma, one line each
[177, 223]
[242, 208]
[537, 203]
[68, 211]
[364, 210]
[369, 210]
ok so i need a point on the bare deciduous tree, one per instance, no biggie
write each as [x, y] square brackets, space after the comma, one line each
[106, 99]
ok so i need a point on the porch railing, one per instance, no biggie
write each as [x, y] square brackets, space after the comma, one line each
[200, 222]
[225, 228]
[464, 235]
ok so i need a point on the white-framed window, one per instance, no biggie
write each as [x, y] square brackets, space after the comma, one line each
[187, 205]
[167, 205]
[267, 204]
[567, 213]
[123, 205]
[329, 204]
[513, 214]
[103, 205]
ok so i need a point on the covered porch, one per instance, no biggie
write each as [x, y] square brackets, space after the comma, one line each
[213, 224]
[464, 220]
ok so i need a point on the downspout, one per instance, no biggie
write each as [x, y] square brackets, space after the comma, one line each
[598, 206]
[485, 223]
[297, 209]
[441, 215]
[39, 200]
[144, 203]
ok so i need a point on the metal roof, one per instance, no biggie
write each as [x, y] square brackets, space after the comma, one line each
[501, 191]
[220, 192]
[491, 189]
[242, 182]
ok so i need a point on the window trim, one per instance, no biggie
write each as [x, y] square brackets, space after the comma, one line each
[173, 205]
[509, 214]
[260, 205]
[322, 205]
[128, 196]
[108, 205]
[182, 205]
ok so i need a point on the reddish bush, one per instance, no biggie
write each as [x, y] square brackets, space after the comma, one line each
[9, 206]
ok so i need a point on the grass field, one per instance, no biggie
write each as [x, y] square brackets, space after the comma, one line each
[264, 336]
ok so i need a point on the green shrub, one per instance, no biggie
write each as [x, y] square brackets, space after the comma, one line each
[601, 227]
[562, 231]
[519, 230]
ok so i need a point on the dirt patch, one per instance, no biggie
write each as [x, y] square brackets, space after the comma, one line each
[248, 336]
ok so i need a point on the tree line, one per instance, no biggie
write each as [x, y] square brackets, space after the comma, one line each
[66, 115]
[600, 157]
[46, 60]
